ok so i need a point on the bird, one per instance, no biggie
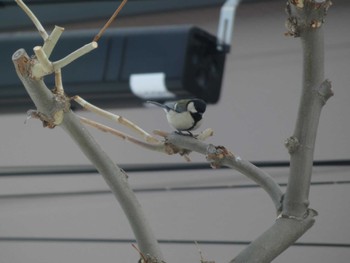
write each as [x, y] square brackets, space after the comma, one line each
[183, 115]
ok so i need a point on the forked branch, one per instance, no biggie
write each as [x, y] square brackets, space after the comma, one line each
[53, 108]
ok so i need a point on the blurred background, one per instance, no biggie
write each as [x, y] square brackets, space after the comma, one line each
[56, 208]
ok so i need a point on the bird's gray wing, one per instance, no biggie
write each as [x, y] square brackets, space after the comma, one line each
[172, 105]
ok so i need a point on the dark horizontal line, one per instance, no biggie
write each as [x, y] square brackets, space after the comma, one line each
[89, 169]
[156, 189]
[161, 241]
[54, 194]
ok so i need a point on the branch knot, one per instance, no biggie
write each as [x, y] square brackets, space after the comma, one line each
[292, 144]
[216, 154]
[61, 105]
[324, 91]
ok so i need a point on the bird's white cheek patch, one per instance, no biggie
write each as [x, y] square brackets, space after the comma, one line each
[150, 86]
[191, 108]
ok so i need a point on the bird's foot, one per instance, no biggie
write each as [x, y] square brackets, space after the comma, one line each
[185, 133]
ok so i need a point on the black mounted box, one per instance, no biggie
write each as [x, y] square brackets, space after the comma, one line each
[130, 66]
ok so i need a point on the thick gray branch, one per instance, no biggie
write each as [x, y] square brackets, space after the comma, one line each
[283, 233]
[260, 177]
[305, 20]
[315, 92]
[254, 173]
[115, 177]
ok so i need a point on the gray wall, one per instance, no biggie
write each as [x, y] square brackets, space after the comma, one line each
[259, 105]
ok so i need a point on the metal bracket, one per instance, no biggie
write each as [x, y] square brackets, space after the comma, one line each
[225, 29]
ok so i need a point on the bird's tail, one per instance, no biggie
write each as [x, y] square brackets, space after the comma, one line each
[159, 105]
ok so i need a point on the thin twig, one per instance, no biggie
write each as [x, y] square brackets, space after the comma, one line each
[46, 67]
[58, 82]
[142, 257]
[201, 254]
[116, 118]
[109, 22]
[43, 59]
[34, 19]
[154, 147]
[51, 41]
[74, 55]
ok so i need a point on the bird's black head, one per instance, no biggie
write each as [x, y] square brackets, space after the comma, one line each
[197, 105]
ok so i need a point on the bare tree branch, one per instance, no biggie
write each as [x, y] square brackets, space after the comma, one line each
[282, 234]
[159, 147]
[305, 20]
[51, 41]
[109, 22]
[116, 118]
[54, 110]
[308, 17]
[34, 19]
[218, 155]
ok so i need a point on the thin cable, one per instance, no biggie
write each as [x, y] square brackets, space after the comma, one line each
[89, 169]
[162, 241]
[155, 189]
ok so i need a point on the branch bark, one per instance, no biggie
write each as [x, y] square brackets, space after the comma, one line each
[48, 106]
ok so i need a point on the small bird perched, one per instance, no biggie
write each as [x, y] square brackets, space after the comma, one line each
[183, 115]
